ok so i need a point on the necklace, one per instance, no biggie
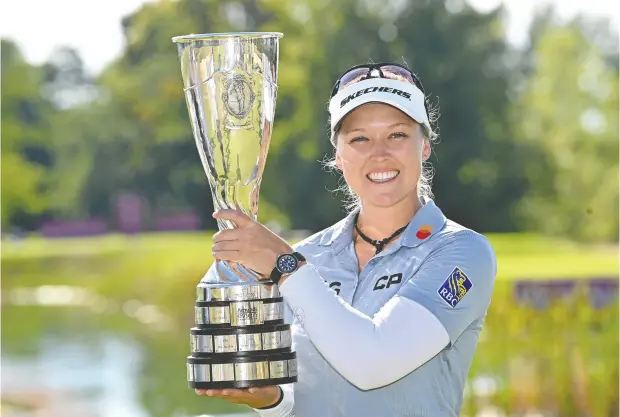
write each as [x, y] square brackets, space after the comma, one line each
[378, 244]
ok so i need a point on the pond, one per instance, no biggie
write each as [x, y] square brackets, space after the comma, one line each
[548, 349]
[68, 352]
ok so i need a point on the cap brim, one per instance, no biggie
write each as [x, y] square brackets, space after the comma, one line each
[398, 94]
[397, 106]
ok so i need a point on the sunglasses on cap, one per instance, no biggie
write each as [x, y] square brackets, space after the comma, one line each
[380, 70]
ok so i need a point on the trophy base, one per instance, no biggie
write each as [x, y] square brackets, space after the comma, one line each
[242, 384]
[224, 371]
[240, 339]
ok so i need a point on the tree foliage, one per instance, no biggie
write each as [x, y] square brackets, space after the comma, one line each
[25, 129]
[568, 115]
[527, 138]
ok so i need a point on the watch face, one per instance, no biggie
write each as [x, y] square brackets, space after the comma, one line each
[287, 263]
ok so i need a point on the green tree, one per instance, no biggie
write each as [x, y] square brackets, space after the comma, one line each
[460, 59]
[129, 130]
[568, 116]
[25, 129]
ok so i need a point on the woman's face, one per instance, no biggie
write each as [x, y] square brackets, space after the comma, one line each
[380, 151]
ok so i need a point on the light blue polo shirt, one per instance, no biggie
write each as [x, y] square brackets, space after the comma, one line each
[445, 267]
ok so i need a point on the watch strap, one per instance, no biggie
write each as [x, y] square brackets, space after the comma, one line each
[276, 274]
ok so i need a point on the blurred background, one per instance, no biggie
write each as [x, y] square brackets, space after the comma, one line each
[106, 209]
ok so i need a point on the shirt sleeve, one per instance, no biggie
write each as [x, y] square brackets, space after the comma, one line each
[404, 332]
[455, 282]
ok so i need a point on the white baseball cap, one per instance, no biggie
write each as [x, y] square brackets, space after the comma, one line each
[405, 96]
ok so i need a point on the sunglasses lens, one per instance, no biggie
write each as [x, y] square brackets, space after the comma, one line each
[352, 77]
[398, 73]
[393, 72]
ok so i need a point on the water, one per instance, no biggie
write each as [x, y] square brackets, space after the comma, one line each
[98, 376]
[69, 351]
[64, 354]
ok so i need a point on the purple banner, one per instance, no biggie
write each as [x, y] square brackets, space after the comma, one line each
[72, 228]
[180, 221]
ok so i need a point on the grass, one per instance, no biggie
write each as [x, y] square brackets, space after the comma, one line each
[520, 256]
[523, 256]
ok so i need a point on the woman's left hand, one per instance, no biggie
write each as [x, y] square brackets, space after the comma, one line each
[251, 244]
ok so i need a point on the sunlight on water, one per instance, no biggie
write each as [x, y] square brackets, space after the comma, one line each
[53, 295]
[74, 378]
[69, 363]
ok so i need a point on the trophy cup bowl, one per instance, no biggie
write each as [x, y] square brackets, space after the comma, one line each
[240, 339]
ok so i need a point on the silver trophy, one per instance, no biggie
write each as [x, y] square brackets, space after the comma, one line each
[230, 83]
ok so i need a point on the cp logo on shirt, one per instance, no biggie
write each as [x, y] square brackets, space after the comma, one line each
[386, 281]
[454, 289]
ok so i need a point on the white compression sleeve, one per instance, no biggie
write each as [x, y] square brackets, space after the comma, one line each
[286, 406]
[406, 334]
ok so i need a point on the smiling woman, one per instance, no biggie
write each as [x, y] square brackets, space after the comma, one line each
[430, 114]
[406, 288]
[395, 140]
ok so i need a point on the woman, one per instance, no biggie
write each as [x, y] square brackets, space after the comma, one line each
[390, 301]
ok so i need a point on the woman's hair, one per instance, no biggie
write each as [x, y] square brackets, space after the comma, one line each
[352, 200]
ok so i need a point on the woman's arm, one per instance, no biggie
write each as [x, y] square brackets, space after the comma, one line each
[379, 350]
[410, 329]
[284, 408]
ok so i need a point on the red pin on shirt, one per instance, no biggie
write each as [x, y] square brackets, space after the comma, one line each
[424, 232]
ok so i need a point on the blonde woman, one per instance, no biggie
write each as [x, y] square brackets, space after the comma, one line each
[388, 303]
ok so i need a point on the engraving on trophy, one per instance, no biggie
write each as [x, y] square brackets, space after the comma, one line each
[278, 369]
[246, 313]
[202, 343]
[238, 96]
[219, 315]
[244, 293]
[202, 315]
[225, 343]
[271, 340]
[250, 342]
[272, 311]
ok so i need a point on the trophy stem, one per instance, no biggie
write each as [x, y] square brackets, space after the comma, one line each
[240, 272]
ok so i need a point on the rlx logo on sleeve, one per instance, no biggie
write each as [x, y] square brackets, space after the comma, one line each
[375, 89]
[388, 280]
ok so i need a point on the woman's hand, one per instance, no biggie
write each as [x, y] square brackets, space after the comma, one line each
[253, 397]
[251, 244]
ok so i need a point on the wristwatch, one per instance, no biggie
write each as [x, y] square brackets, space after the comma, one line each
[287, 263]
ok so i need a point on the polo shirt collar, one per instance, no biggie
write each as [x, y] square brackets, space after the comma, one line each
[427, 221]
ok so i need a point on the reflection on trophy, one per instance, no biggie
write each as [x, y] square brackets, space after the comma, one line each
[230, 82]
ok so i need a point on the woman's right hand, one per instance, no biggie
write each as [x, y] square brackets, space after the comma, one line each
[259, 397]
